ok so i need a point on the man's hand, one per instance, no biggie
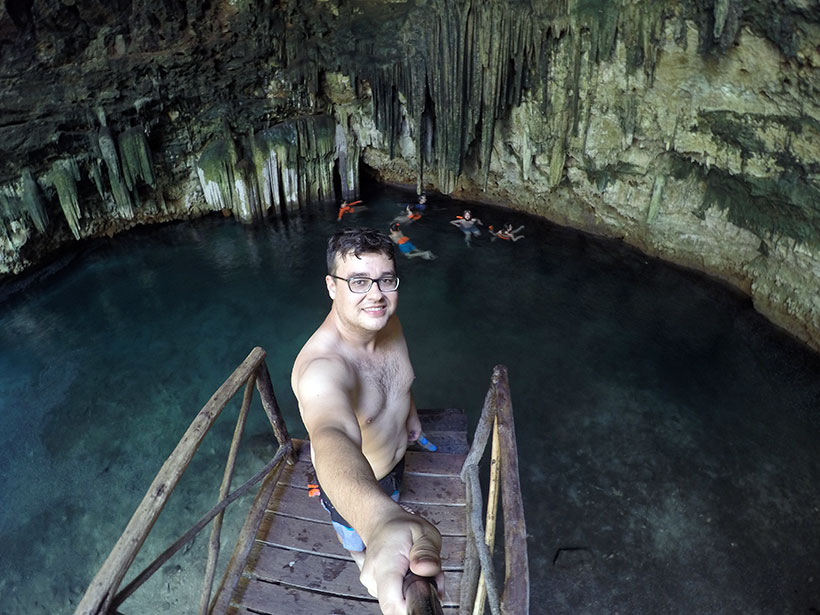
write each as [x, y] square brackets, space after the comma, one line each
[402, 542]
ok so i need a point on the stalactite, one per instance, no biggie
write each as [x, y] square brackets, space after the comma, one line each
[347, 178]
[316, 139]
[656, 198]
[266, 150]
[135, 155]
[64, 175]
[21, 206]
[95, 173]
[469, 63]
[289, 166]
[108, 151]
[8, 215]
[215, 169]
[32, 203]
[246, 205]
[721, 13]
[274, 161]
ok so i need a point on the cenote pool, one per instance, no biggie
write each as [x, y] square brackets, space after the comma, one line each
[669, 437]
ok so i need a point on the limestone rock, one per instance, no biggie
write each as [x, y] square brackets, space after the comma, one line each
[689, 128]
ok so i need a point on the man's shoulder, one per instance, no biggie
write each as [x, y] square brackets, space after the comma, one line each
[321, 373]
[320, 352]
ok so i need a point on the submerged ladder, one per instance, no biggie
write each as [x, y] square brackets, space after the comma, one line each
[287, 560]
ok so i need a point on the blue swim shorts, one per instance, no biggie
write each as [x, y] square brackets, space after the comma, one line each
[390, 484]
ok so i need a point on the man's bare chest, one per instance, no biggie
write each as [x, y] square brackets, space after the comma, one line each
[383, 383]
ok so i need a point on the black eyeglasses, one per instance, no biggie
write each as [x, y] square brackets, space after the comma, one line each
[360, 284]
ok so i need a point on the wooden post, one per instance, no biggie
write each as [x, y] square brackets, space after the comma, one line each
[492, 514]
[271, 406]
[516, 596]
[225, 487]
[245, 540]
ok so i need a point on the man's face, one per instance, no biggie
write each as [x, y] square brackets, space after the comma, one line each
[371, 310]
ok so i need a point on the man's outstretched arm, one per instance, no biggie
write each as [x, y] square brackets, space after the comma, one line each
[396, 540]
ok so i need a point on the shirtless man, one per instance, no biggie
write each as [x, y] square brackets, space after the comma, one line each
[352, 381]
[468, 225]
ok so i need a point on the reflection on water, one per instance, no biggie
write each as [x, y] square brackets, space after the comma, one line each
[668, 435]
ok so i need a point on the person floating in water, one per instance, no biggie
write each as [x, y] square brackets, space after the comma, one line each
[422, 204]
[507, 233]
[408, 215]
[347, 208]
[405, 245]
[468, 225]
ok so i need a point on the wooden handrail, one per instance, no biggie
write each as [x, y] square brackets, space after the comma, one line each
[516, 596]
[100, 594]
[496, 415]
[271, 467]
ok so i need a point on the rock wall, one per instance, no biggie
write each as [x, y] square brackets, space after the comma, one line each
[689, 128]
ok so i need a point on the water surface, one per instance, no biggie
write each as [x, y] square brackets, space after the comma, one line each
[669, 437]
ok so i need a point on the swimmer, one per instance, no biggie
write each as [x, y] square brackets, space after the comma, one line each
[467, 225]
[347, 208]
[408, 215]
[507, 233]
[405, 246]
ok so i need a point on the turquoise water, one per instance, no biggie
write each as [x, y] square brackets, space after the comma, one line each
[669, 437]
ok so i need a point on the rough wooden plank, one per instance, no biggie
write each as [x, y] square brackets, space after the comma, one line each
[320, 538]
[295, 502]
[424, 489]
[329, 575]
[416, 488]
[434, 463]
[454, 442]
[443, 419]
[273, 599]
[450, 520]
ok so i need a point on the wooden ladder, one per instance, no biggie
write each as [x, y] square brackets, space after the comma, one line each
[296, 566]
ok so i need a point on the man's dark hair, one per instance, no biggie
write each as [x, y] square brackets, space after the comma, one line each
[357, 241]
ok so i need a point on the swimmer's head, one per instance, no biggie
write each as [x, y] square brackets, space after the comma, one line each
[467, 215]
[395, 227]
